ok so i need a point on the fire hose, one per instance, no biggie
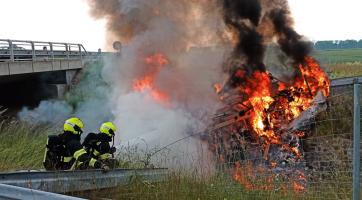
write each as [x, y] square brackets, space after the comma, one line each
[146, 161]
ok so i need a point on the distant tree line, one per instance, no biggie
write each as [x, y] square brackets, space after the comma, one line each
[338, 44]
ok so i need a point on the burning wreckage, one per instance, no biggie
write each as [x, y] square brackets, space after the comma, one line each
[257, 133]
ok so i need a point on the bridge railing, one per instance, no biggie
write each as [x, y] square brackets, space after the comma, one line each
[21, 50]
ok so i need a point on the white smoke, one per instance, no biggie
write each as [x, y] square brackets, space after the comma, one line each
[57, 111]
[89, 100]
[189, 34]
[188, 79]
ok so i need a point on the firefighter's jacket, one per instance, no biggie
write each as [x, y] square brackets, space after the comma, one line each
[74, 148]
[67, 149]
[98, 145]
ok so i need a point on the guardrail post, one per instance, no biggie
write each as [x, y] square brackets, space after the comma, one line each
[80, 51]
[11, 50]
[356, 142]
[32, 50]
[67, 50]
[51, 50]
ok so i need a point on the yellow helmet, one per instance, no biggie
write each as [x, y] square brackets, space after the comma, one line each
[108, 128]
[74, 125]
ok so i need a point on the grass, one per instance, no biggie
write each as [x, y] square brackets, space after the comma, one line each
[336, 184]
[219, 186]
[184, 187]
[339, 56]
[344, 70]
[342, 62]
[338, 117]
[22, 145]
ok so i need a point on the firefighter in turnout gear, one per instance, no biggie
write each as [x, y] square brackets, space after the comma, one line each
[64, 151]
[98, 145]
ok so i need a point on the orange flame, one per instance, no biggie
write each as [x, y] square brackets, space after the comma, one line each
[298, 187]
[242, 175]
[218, 87]
[156, 62]
[289, 102]
[259, 91]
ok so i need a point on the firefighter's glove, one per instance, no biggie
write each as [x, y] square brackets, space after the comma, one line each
[105, 167]
[112, 150]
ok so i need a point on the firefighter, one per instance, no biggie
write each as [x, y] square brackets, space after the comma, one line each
[64, 151]
[98, 145]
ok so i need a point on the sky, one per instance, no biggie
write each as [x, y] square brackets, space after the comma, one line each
[328, 19]
[51, 20]
[69, 21]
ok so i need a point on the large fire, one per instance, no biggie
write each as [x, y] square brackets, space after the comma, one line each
[154, 64]
[270, 111]
[267, 107]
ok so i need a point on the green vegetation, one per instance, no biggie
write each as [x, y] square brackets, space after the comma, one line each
[90, 85]
[335, 184]
[180, 185]
[344, 70]
[21, 146]
[339, 115]
[338, 44]
[185, 187]
[345, 56]
[219, 186]
[341, 62]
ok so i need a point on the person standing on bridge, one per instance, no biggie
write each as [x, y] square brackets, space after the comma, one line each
[98, 145]
[64, 151]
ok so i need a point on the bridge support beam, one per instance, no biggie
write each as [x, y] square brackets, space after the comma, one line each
[69, 82]
[61, 90]
[70, 76]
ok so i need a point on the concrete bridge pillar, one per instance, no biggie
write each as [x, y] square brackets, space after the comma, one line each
[69, 82]
[61, 90]
[70, 76]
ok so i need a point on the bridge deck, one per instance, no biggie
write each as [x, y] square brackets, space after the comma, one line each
[20, 57]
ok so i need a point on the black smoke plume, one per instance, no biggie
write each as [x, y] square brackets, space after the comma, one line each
[256, 24]
[243, 16]
[289, 40]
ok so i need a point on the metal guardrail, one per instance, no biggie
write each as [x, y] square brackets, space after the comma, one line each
[15, 193]
[346, 81]
[22, 50]
[79, 180]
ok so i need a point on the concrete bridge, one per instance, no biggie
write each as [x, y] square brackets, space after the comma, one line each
[21, 57]
[40, 70]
